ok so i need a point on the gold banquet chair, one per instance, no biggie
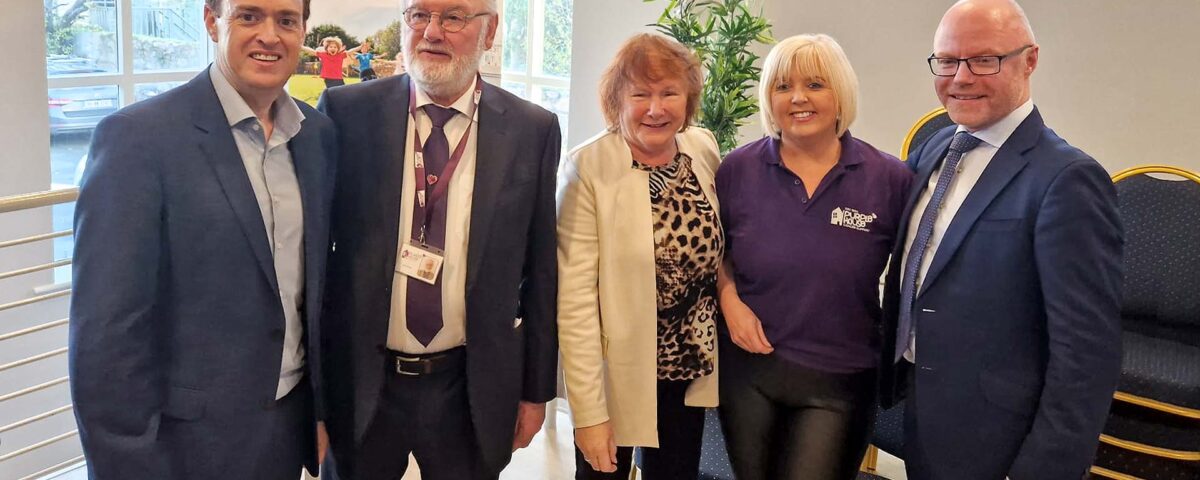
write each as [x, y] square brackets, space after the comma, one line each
[1153, 429]
[924, 128]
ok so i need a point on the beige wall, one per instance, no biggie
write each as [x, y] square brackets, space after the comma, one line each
[26, 159]
[1119, 79]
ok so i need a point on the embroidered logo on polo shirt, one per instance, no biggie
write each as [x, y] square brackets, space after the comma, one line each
[851, 218]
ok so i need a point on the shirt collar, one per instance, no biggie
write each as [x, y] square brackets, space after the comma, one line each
[462, 105]
[996, 134]
[849, 155]
[287, 115]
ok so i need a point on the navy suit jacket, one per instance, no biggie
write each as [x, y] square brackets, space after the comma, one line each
[175, 314]
[1018, 324]
[511, 260]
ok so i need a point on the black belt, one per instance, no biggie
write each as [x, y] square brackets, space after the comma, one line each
[415, 365]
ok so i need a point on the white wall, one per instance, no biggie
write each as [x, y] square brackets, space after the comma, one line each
[24, 120]
[1117, 78]
[599, 27]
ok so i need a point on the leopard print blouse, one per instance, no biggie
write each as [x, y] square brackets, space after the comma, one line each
[687, 250]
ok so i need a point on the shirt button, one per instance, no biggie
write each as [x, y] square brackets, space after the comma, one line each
[795, 182]
[255, 127]
[804, 201]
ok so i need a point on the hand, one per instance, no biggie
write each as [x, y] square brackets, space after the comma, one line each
[530, 417]
[599, 446]
[744, 327]
[322, 442]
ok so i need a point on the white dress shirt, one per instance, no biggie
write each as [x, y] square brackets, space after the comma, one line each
[458, 229]
[272, 175]
[970, 168]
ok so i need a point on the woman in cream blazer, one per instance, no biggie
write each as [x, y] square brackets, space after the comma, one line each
[624, 197]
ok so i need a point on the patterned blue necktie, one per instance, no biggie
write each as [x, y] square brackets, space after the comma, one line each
[962, 143]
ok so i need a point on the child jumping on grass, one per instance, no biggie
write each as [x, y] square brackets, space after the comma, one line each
[364, 57]
[332, 56]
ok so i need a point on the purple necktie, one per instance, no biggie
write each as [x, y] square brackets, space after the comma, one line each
[424, 301]
[962, 143]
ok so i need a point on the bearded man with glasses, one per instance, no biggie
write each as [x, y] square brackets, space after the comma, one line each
[1002, 302]
[442, 267]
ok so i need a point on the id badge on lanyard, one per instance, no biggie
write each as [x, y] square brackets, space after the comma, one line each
[418, 259]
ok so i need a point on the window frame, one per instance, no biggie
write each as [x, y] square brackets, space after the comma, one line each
[125, 78]
[533, 78]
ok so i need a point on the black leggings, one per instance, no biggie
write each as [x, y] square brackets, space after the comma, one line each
[784, 421]
[680, 432]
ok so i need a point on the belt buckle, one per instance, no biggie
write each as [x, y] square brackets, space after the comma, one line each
[400, 362]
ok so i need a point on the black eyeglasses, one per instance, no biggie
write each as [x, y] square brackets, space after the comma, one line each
[981, 65]
[450, 21]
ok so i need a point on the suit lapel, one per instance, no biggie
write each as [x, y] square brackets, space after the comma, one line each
[493, 160]
[307, 160]
[388, 160]
[1005, 165]
[920, 183]
[927, 163]
[217, 144]
[925, 170]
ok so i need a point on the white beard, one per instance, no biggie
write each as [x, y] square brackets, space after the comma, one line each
[443, 79]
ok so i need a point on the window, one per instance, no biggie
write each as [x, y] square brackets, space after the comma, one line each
[102, 55]
[537, 54]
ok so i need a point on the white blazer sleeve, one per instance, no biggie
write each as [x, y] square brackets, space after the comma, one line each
[579, 334]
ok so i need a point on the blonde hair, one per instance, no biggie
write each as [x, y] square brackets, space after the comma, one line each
[647, 58]
[811, 56]
[326, 40]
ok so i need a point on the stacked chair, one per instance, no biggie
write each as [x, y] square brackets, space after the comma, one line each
[1153, 429]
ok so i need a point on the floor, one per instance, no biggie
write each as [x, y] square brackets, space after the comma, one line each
[549, 457]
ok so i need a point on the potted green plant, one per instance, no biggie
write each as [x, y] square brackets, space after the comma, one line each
[721, 33]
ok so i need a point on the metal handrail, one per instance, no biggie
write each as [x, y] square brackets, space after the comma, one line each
[40, 416]
[33, 329]
[35, 358]
[48, 470]
[18, 203]
[43, 443]
[35, 238]
[35, 388]
[36, 268]
[47, 198]
[27, 301]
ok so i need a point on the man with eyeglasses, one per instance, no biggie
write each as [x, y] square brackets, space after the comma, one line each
[440, 310]
[201, 234]
[1001, 306]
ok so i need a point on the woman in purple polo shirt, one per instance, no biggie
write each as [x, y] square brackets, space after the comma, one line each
[639, 245]
[810, 214]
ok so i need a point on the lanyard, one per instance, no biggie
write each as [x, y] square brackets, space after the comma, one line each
[441, 184]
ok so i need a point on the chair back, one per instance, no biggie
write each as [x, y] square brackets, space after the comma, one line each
[924, 128]
[1161, 216]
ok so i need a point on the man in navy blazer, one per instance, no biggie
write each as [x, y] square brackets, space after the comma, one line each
[439, 319]
[1004, 330]
[201, 236]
